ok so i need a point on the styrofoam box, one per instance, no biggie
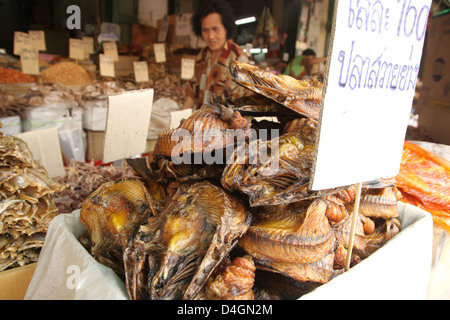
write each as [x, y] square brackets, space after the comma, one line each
[398, 270]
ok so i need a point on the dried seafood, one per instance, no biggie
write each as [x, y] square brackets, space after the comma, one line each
[282, 175]
[112, 214]
[235, 282]
[12, 105]
[66, 73]
[190, 137]
[302, 96]
[424, 181]
[15, 76]
[185, 243]
[81, 179]
[262, 215]
[26, 204]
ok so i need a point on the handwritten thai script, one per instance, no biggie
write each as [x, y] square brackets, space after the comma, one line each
[378, 70]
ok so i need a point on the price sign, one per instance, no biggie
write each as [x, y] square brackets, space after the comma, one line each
[21, 42]
[141, 71]
[37, 38]
[76, 49]
[88, 47]
[29, 60]
[107, 68]
[373, 65]
[160, 52]
[187, 68]
[110, 49]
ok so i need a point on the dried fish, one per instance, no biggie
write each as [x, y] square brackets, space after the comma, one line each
[112, 214]
[185, 243]
[292, 240]
[302, 96]
[276, 171]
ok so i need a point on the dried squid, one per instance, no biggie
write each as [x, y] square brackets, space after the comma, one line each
[174, 253]
[302, 96]
[112, 214]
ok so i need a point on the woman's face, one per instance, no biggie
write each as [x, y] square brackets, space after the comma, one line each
[213, 31]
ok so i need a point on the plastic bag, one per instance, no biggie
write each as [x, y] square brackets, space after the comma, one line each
[160, 119]
[73, 140]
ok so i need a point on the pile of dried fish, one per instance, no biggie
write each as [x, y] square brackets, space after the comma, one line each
[12, 105]
[230, 209]
[81, 179]
[51, 94]
[26, 204]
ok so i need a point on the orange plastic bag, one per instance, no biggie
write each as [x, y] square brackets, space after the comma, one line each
[424, 181]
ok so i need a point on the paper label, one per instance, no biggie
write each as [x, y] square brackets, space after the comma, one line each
[45, 147]
[107, 68]
[110, 49]
[21, 42]
[29, 60]
[141, 71]
[88, 47]
[37, 38]
[187, 68]
[373, 65]
[160, 52]
[127, 124]
[76, 49]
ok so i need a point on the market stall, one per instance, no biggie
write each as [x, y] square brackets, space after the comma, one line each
[237, 173]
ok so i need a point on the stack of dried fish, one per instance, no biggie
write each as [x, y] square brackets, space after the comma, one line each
[51, 94]
[26, 205]
[81, 180]
[235, 194]
[12, 105]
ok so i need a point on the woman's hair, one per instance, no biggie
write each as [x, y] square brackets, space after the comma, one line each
[221, 7]
[309, 52]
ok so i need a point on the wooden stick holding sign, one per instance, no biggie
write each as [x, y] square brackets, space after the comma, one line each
[369, 87]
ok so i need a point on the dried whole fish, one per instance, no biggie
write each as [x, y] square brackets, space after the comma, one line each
[276, 171]
[181, 247]
[302, 96]
[112, 214]
[26, 204]
[286, 239]
[191, 136]
[235, 282]
[380, 203]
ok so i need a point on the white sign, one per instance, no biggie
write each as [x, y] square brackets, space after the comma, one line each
[373, 65]
[127, 124]
[187, 68]
[45, 146]
[141, 71]
[160, 52]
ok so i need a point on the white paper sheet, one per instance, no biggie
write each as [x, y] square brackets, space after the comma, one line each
[399, 270]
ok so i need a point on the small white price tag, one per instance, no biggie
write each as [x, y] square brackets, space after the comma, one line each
[160, 52]
[187, 68]
[141, 71]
